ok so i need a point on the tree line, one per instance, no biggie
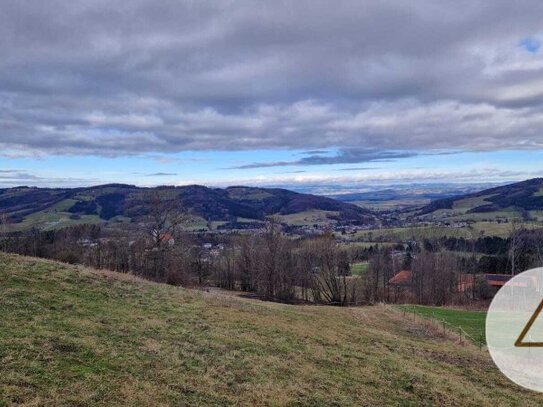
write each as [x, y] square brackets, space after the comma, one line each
[271, 265]
[268, 264]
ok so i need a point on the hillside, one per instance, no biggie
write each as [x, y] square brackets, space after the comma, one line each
[74, 336]
[522, 199]
[48, 207]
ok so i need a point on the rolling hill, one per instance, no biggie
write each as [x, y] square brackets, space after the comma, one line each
[118, 202]
[76, 336]
[522, 199]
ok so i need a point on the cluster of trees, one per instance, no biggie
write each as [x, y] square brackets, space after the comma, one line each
[268, 264]
[492, 245]
[434, 277]
[521, 250]
[277, 267]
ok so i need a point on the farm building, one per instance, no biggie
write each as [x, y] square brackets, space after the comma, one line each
[403, 281]
[167, 238]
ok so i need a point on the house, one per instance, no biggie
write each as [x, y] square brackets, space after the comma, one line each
[465, 283]
[499, 280]
[403, 279]
[468, 281]
[167, 238]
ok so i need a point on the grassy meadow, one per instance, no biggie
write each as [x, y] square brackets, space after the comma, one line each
[71, 336]
[471, 322]
[358, 269]
[407, 233]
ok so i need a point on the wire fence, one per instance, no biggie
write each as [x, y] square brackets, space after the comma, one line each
[446, 327]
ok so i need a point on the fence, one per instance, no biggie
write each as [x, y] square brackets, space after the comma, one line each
[445, 326]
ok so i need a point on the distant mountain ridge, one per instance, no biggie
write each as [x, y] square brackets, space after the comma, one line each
[522, 196]
[213, 204]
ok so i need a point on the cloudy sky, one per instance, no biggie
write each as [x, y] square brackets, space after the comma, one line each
[270, 92]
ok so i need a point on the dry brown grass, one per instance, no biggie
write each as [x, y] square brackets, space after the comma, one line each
[74, 336]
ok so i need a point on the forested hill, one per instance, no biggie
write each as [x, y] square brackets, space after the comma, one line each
[130, 202]
[525, 197]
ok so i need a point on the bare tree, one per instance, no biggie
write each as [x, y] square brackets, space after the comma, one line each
[378, 275]
[514, 245]
[164, 218]
[4, 223]
[330, 281]
[200, 264]
[435, 278]
[165, 257]
[247, 264]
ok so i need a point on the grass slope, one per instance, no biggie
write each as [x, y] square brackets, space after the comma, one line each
[73, 336]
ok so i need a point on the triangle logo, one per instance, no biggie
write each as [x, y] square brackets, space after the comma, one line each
[520, 342]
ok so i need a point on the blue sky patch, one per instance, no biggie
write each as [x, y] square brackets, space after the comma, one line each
[530, 44]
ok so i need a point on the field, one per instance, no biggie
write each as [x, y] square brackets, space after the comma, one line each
[392, 204]
[404, 234]
[308, 218]
[358, 269]
[472, 322]
[54, 217]
[75, 336]
[475, 230]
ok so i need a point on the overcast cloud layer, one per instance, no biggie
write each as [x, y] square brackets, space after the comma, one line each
[374, 79]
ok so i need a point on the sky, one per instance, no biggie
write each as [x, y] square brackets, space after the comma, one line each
[272, 93]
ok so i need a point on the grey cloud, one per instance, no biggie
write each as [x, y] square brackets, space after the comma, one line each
[161, 174]
[351, 156]
[15, 177]
[358, 169]
[313, 152]
[109, 79]
[473, 175]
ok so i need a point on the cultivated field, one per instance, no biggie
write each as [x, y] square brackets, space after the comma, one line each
[74, 336]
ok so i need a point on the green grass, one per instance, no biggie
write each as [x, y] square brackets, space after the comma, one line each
[248, 194]
[54, 217]
[470, 203]
[392, 204]
[74, 336]
[49, 220]
[472, 322]
[357, 269]
[475, 230]
[403, 234]
[308, 218]
[365, 245]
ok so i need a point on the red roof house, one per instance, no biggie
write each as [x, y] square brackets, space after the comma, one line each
[403, 279]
